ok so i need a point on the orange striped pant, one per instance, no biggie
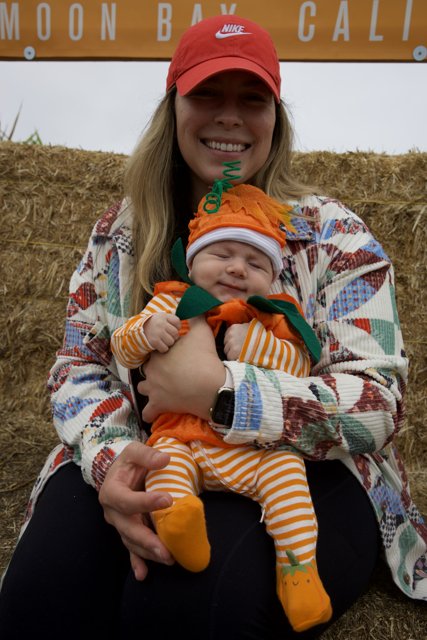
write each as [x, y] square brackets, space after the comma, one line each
[275, 479]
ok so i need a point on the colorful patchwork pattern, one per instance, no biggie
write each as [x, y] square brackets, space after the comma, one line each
[349, 408]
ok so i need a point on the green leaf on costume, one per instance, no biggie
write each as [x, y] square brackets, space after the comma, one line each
[178, 261]
[299, 323]
[295, 566]
[195, 302]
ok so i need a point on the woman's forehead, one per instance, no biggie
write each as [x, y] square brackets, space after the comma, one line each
[243, 78]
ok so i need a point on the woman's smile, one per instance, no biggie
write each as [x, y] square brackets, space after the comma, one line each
[223, 145]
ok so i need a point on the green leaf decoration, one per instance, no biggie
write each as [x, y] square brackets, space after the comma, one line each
[292, 557]
[195, 302]
[290, 311]
[178, 261]
[295, 566]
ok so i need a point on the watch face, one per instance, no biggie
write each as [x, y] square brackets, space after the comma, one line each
[223, 411]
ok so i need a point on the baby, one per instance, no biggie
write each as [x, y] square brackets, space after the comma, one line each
[234, 254]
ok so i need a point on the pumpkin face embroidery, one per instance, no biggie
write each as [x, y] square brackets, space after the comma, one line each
[302, 594]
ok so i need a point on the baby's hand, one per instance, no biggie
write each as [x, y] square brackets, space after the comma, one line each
[161, 331]
[234, 339]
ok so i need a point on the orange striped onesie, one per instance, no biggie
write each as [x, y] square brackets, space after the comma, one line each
[201, 460]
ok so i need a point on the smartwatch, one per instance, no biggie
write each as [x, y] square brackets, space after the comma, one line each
[222, 410]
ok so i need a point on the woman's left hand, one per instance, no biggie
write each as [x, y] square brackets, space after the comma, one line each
[126, 504]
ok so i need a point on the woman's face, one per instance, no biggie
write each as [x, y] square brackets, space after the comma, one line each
[229, 117]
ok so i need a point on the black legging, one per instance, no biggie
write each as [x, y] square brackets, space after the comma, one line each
[70, 575]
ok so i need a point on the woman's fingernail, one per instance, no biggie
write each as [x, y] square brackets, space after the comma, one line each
[159, 554]
[162, 503]
[161, 557]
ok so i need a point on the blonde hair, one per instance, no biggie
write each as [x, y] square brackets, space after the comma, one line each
[157, 183]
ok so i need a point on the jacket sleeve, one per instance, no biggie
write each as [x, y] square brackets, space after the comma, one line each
[352, 402]
[129, 343]
[92, 408]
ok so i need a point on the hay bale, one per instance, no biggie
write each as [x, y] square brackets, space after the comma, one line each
[50, 198]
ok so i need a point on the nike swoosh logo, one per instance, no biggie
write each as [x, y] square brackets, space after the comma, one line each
[220, 35]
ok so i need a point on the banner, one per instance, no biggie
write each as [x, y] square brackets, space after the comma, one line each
[318, 30]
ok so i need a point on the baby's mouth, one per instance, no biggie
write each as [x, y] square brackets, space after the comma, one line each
[233, 287]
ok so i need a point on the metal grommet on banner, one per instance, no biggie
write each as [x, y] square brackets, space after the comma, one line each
[29, 53]
[420, 53]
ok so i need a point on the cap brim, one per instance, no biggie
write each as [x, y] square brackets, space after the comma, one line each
[197, 74]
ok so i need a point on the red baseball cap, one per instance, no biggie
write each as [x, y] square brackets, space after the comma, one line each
[224, 43]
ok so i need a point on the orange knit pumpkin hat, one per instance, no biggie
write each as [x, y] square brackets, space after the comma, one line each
[242, 213]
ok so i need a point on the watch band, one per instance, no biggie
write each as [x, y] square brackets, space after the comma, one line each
[222, 410]
[221, 413]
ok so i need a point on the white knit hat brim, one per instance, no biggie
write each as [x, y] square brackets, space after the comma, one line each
[264, 243]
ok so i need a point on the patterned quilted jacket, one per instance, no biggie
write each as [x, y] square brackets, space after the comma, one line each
[350, 408]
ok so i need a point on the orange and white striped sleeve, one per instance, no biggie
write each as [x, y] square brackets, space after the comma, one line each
[129, 343]
[262, 349]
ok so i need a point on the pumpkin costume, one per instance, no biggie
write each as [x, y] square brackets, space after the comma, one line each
[277, 338]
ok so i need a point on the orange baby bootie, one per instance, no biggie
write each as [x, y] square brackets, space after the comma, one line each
[182, 529]
[302, 594]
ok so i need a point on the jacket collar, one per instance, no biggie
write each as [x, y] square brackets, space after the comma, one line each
[302, 228]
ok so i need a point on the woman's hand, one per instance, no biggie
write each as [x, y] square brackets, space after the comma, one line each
[186, 378]
[126, 505]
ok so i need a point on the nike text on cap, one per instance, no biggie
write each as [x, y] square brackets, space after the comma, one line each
[220, 44]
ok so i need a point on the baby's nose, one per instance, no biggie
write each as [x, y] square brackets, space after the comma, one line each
[237, 267]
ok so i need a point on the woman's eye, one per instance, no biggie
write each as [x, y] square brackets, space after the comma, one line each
[203, 93]
[261, 98]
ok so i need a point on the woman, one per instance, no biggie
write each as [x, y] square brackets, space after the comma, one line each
[222, 103]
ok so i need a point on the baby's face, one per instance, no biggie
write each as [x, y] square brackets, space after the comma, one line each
[230, 269]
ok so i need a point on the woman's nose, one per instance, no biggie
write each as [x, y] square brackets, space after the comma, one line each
[229, 115]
